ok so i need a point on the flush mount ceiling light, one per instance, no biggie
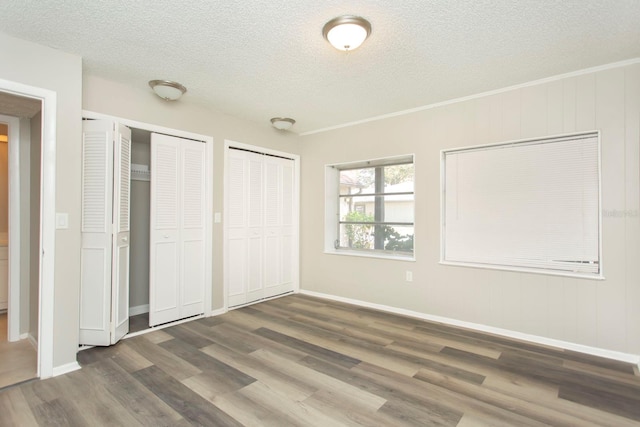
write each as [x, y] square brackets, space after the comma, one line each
[282, 123]
[346, 32]
[167, 90]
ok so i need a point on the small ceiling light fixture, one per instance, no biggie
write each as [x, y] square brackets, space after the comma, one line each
[167, 90]
[346, 32]
[282, 123]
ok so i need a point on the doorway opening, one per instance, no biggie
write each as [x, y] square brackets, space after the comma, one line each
[20, 170]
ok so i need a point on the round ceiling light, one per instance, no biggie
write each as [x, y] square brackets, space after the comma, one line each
[167, 90]
[282, 123]
[346, 32]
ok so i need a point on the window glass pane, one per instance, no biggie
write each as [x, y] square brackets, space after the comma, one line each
[398, 238]
[358, 209]
[398, 208]
[357, 236]
[398, 178]
[355, 181]
[362, 236]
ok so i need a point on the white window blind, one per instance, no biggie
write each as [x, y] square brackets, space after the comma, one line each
[532, 205]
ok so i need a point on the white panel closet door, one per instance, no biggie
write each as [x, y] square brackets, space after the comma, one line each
[177, 264]
[104, 294]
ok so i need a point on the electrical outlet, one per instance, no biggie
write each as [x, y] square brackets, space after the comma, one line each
[409, 276]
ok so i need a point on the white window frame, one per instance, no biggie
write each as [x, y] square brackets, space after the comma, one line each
[597, 276]
[332, 209]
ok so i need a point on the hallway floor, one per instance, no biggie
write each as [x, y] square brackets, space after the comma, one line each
[19, 359]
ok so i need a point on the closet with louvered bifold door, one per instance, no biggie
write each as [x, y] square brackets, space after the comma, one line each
[177, 233]
[261, 258]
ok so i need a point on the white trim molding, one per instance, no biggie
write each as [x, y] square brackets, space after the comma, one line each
[65, 369]
[478, 95]
[138, 309]
[535, 339]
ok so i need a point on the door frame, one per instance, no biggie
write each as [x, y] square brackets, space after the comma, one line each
[209, 148]
[47, 218]
[296, 216]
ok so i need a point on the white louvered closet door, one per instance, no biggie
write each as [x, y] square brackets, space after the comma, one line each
[260, 195]
[121, 234]
[192, 217]
[177, 265]
[237, 236]
[104, 293]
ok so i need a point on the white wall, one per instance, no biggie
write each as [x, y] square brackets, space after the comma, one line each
[35, 65]
[603, 314]
[142, 105]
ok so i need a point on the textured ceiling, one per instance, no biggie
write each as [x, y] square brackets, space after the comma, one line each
[18, 106]
[257, 59]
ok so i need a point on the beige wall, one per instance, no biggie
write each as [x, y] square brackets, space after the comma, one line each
[35, 161]
[51, 69]
[141, 104]
[603, 314]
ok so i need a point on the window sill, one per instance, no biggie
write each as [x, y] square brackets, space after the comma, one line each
[525, 270]
[363, 254]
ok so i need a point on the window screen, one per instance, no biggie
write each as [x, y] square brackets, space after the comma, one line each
[532, 204]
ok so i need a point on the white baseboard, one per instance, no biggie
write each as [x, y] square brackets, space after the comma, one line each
[217, 312]
[138, 309]
[65, 369]
[594, 351]
[33, 341]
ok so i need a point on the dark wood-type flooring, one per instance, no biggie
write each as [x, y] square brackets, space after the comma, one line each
[302, 361]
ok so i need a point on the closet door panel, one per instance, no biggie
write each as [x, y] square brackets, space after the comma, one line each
[192, 217]
[255, 227]
[237, 248]
[164, 291]
[236, 271]
[164, 272]
[121, 233]
[96, 228]
[288, 262]
[192, 298]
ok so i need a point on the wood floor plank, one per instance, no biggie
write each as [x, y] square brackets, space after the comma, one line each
[295, 412]
[164, 359]
[205, 363]
[292, 387]
[14, 409]
[182, 399]
[142, 404]
[351, 396]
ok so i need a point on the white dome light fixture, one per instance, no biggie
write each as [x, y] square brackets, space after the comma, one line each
[282, 123]
[346, 32]
[167, 90]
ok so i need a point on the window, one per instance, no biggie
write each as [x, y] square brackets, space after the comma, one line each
[373, 203]
[532, 205]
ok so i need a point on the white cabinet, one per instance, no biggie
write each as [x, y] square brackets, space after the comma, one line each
[104, 293]
[261, 258]
[177, 252]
